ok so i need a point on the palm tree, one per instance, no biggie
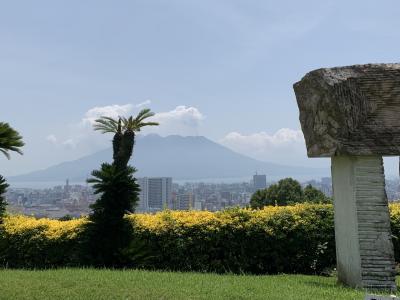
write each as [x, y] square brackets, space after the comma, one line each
[124, 130]
[3, 189]
[108, 232]
[10, 140]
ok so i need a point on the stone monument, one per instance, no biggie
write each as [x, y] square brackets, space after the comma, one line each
[352, 114]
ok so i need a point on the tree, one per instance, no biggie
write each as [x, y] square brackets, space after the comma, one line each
[10, 140]
[314, 195]
[108, 232]
[124, 130]
[259, 199]
[3, 189]
[286, 192]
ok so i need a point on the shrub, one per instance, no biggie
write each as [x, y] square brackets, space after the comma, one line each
[291, 239]
[26, 242]
[271, 240]
[395, 224]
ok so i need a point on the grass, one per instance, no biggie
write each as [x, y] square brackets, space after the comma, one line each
[132, 284]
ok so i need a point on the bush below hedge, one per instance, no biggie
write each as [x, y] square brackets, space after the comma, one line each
[292, 239]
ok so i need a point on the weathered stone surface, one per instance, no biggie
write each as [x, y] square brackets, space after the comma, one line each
[351, 110]
[364, 248]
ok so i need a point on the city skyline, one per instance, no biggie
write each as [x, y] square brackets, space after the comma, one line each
[72, 200]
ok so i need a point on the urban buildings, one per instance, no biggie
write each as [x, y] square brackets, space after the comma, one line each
[184, 201]
[56, 202]
[260, 182]
[156, 194]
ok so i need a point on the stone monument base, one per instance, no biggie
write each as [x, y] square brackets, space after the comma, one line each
[364, 249]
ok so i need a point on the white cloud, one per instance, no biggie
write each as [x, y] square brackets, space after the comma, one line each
[182, 120]
[263, 140]
[112, 111]
[82, 138]
[144, 103]
[285, 146]
[70, 143]
[52, 139]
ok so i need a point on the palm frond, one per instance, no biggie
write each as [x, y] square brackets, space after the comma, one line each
[5, 153]
[3, 185]
[135, 124]
[106, 125]
[10, 140]
[149, 124]
[144, 114]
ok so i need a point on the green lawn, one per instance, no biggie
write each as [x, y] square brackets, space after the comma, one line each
[107, 284]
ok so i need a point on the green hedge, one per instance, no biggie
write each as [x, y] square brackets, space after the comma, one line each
[298, 239]
[293, 239]
[26, 242]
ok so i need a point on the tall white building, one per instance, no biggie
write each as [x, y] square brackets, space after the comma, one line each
[156, 193]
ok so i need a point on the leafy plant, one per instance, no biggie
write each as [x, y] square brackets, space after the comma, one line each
[108, 233]
[287, 192]
[275, 239]
[313, 195]
[10, 140]
[3, 204]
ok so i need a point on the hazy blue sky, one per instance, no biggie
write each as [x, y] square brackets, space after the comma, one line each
[218, 68]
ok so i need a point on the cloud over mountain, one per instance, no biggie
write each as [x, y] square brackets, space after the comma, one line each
[285, 146]
[112, 111]
[181, 120]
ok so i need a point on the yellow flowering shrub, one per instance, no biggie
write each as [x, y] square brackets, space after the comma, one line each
[28, 242]
[395, 224]
[291, 239]
[275, 239]
[51, 229]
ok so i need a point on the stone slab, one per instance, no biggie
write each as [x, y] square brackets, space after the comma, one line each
[364, 249]
[351, 110]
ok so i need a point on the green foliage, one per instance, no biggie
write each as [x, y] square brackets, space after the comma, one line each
[259, 199]
[66, 217]
[286, 239]
[3, 203]
[287, 192]
[313, 195]
[107, 233]
[118, 189]
[122, 124]
[124, 130]
[26, 242]
[10, 140]
[274, 240]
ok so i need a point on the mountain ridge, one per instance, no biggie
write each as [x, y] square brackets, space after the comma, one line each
[190, 157]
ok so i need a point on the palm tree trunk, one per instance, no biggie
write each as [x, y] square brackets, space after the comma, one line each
[125, 150]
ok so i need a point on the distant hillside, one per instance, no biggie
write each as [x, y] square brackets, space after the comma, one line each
[174, 156]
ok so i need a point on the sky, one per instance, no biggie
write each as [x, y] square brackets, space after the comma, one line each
[223, 69]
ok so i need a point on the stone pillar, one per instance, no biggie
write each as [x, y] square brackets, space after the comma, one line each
[364, 249]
